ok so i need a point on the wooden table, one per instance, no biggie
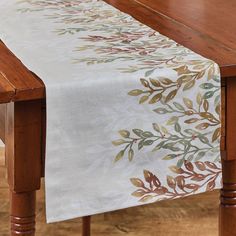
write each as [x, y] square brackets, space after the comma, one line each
[208, 27]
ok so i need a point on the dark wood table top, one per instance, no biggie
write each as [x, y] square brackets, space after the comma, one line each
[208, 27]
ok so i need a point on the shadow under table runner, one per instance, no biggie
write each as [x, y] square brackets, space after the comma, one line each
[132, 116]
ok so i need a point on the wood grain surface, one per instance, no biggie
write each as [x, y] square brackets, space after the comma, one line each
[195, 216]
[17, 83]
[205, 16]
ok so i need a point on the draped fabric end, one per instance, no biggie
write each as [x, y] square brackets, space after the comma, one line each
[132, 116]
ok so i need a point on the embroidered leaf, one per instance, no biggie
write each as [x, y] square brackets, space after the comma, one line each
[147, 134]
[211, 165]
[200, 155]
[203, 139]
[169, 157]
[190, 158]
[177, 127]
[174, 137]
[180, 162]
[171, 95]
[198, 177]
[184, 79]
[180, 181]
[138, 132]
[137, 182]
[144, 82]
[135, 92]
[140, 145]
[161, 110]
[156, 127]
[188, 166]
[118, 142]
[190, 131]
[148, 176]
[211, 72]
[200, 75]
[207, 86]
[182, 70]
[217, 100]
[171, 182]
[164, 130]
[149, 72]
[200, 165]
[178, 106]
[138, 193]
[199, 99]
[120, 155]
[143, 99]
[210, 185]
[216, 134]
[131, 154]
[159, 146]
[172, 120]
[208, 95]
[189, 85]
[202, 126]
[192, 186]
[208, 116]
[146, 198]
[206, 105]
[161, 190]
[188, 113]
[166, 81]
[218, 109]
[188, 103]
[156, 181]
[155, 98]
[124, 133]
[176, 169]
[192, 120]
[155, 82]
[148, 142]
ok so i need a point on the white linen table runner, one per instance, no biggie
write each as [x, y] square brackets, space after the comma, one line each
[132, 116]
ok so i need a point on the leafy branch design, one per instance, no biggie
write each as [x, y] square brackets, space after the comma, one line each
[180, 144]
[190, 178]
[166, 89]
[199, 115]
[111, 42]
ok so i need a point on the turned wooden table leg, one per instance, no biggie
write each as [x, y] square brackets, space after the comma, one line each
[22, 213]
[86, 226]
[228, 193]
[228, 199]
[23, 158]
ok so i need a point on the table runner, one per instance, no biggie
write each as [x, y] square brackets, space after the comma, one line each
[132, 116]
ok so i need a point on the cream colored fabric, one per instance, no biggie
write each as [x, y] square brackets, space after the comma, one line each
[132, 116]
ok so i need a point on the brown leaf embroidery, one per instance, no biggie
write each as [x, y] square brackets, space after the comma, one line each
[189, 179]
